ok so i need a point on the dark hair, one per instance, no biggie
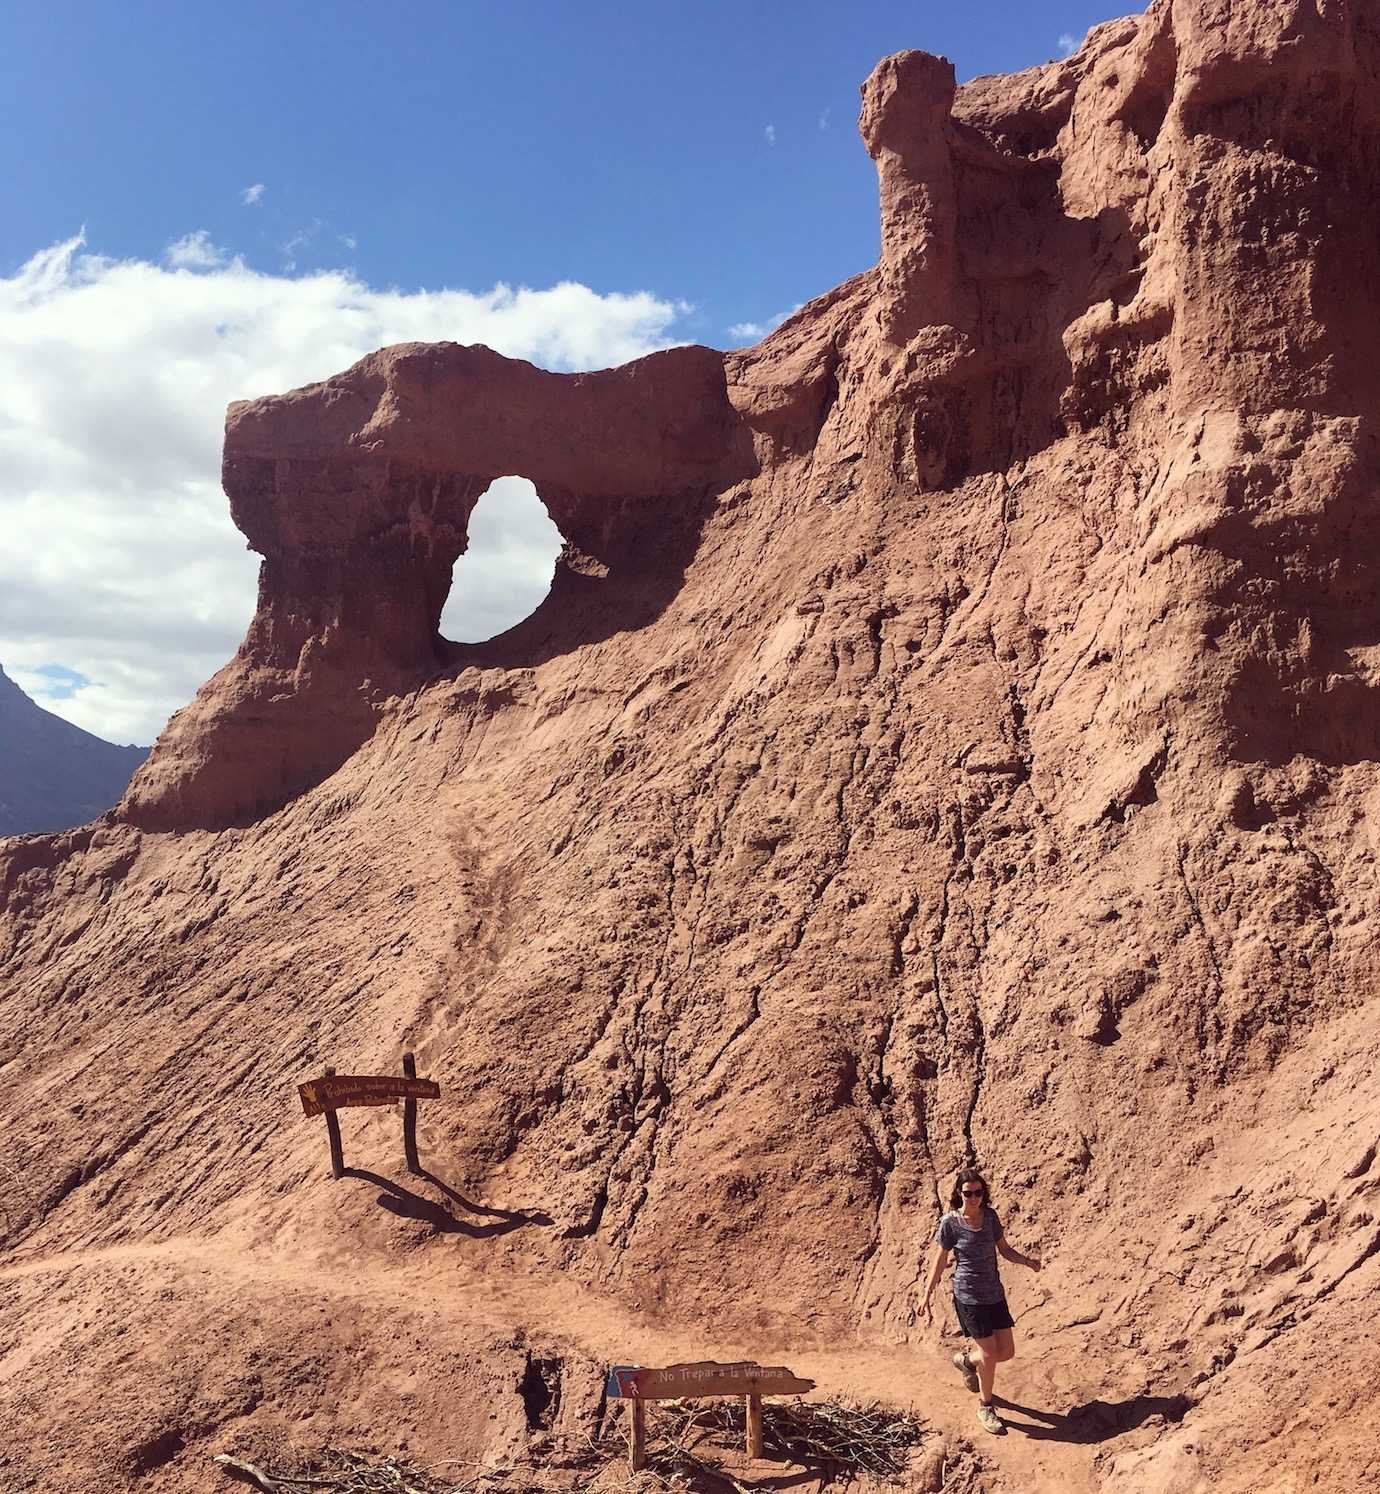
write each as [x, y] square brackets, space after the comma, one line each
[969, 1175]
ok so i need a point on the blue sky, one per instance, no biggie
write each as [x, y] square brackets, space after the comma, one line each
[210, 202]
[621, 145]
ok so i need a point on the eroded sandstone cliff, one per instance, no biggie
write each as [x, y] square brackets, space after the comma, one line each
[952, 731]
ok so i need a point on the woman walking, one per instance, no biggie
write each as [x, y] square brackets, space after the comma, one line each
[972, 1233]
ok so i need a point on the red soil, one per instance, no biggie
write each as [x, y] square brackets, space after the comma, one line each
[953, 731]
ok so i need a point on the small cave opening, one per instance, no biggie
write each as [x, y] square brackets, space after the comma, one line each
[155, 1452]
[541, 1392]
[507, 568]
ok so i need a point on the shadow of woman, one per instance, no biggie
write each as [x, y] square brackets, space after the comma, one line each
[1094, 1421]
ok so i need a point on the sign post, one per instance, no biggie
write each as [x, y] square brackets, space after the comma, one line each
[333, 1136]
[677, 1381]
[637, 1441]
[334, 1092]
[754, 1425]
[410, 1118]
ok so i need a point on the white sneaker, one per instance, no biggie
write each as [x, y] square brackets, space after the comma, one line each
[964, 1366]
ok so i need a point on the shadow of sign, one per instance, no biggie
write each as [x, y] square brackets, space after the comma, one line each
[407, 1204]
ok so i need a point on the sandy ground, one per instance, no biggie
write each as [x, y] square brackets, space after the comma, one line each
[408, 1334]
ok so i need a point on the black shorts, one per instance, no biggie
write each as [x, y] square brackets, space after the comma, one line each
[982, 1319]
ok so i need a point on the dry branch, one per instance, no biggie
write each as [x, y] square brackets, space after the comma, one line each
[686, 1441]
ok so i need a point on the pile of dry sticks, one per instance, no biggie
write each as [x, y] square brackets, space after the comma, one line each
[688, 1441]
[829, 1438]
[342, 1472]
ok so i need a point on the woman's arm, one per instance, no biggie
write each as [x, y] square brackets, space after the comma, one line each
[1015, 1255]
[941, 1260]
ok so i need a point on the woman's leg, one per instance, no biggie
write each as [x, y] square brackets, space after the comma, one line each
[1004, 1343]
[982, 1353]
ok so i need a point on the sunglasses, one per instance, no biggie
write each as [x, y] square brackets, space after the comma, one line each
[972, 1193]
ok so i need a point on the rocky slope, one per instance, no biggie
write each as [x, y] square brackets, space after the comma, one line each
[953, 731]
[54, 775]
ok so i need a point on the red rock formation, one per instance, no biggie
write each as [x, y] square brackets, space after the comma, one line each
[358, 493]
[953, 730]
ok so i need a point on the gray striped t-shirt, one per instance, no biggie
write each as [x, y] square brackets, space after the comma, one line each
[975, 1256]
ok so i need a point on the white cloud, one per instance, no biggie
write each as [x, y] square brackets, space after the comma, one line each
[194, 251]
[824, 117]
[49, 682]
[743, 333]
[349, 240]
[507, 568]
[1068, 43]
[120, 563]
[770, 133]
[253, 196]
[299, 241]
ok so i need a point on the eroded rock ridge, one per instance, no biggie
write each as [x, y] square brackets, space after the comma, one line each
[953, 731]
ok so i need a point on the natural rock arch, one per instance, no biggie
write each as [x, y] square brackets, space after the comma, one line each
[358, 492]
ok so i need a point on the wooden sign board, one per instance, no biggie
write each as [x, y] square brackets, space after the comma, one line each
[633, 1382]
[336, 1091]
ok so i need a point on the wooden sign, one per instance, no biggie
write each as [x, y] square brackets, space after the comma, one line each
[332, 1092]
[703, 1378]
[338, 1091]
[638, 1385]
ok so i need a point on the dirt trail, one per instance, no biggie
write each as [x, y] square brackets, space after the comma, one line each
[457, 1299]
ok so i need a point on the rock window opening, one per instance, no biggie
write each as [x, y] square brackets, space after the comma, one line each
[506, 572]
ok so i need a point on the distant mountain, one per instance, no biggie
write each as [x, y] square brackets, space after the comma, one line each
[54, 775]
